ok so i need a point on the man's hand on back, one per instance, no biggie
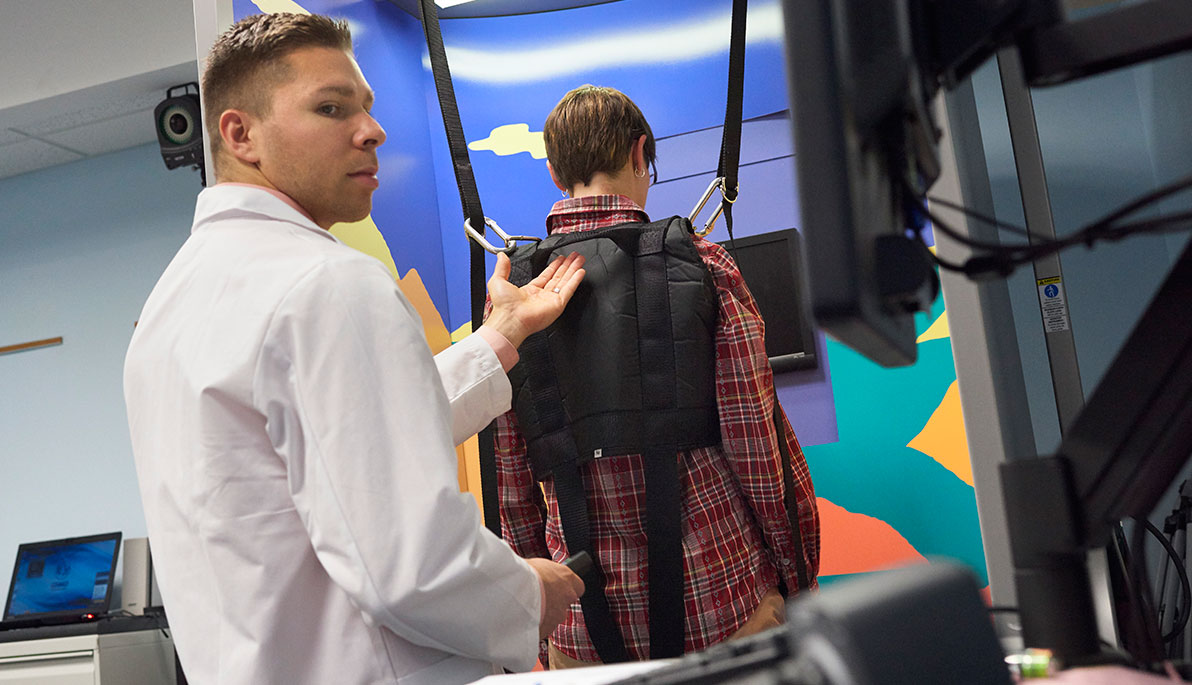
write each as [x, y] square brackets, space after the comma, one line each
[519, 312]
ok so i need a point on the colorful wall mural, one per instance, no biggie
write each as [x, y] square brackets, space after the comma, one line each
[886, 447]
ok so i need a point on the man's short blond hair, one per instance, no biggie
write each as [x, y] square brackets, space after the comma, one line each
[591, 130]
[247, 61]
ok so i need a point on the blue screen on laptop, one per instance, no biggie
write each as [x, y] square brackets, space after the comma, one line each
[62, 578]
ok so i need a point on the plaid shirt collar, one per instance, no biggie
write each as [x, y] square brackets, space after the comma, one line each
[594, 211]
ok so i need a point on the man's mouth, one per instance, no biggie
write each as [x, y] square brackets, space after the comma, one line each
[366, 176]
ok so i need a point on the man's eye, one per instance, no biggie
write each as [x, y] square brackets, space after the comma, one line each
[328, 109]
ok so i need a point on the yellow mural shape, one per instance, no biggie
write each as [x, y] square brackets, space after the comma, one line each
[937, 330]
[943, 438]
[274, 6]
[461, 332]
[366, 237]
[511, 139]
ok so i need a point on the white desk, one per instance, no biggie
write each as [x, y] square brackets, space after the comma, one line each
[141, 657]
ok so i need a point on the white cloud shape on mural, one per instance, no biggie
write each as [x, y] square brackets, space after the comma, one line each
[511, 139]
[278, 6]
[692, 39]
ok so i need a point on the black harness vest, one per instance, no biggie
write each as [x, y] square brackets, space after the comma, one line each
[628, 368]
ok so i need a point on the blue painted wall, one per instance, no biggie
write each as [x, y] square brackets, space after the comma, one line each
[670, 56]
[388, 45]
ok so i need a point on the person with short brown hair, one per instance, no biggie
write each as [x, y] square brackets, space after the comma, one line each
[293, 436]
[741, 554]
[591, 131]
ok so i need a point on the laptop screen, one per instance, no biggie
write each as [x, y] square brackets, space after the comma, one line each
[61, 578]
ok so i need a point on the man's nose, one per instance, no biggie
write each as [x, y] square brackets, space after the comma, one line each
[371, 134]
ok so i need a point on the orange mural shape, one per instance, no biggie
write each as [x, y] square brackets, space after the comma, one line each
[856, 543]
[944, 439]
[437, 335]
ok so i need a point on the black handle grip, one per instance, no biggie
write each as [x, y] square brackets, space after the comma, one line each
[580, 563]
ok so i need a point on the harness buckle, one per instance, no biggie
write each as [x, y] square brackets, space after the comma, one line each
[717, 183]
[510, 242]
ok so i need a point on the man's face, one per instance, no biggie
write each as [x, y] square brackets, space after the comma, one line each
[318, 144]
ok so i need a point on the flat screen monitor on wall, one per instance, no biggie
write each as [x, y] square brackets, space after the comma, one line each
[772, 265]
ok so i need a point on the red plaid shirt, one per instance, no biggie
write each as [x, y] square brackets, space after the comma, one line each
[737, 539]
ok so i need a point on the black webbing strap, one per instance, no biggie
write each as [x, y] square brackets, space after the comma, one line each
[664, 534]
[470, 198]
[730, 143]
[573, 515]
[790, 499]
[569, 491]
[660, 464]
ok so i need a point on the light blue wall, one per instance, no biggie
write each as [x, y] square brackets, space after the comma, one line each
[81, 245]
[1105, 140]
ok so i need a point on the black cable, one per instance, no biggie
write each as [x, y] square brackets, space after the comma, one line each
[1160, 224]
[1003, 259]
[1145, 611]
[1142, 201]
[1186, 603]
[1013, 228]
[946, 265]
[953, 233]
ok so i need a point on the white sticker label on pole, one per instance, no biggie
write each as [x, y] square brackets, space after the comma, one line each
[1053, 305]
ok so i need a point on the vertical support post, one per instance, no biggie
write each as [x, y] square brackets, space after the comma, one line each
[1036, 205]
[212, 17]
[984, 340]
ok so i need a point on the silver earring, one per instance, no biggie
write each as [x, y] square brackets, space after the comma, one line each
[564, 193]
[640, 173]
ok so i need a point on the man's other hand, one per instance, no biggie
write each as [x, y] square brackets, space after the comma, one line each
[519, 312]
[561, 588]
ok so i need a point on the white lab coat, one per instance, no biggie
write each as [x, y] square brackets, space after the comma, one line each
[294, 442]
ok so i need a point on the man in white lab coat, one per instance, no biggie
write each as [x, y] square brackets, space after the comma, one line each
[292, 433]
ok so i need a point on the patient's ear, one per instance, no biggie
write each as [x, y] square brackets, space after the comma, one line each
[554, 178]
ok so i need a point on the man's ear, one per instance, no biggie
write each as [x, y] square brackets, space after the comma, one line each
[235, 129]
[555, 178]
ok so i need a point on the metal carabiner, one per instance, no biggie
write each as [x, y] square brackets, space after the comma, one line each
[717, 182]
[510, 241]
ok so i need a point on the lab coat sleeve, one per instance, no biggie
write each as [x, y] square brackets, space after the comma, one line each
[355, 406]
[476, 386]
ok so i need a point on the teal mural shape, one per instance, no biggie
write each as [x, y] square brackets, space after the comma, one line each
[871, 471]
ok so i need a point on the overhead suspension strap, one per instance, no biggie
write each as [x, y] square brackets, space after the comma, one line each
[730, 142]
[474, 224]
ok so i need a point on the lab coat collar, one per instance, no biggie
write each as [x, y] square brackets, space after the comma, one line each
[226, 200]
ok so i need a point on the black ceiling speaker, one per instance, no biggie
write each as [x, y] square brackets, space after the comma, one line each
[180, 127]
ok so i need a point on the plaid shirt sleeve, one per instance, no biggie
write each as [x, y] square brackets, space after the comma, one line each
[746, 398]
[523, 510]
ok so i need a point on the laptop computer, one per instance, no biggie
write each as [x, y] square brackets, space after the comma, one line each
[61, 581]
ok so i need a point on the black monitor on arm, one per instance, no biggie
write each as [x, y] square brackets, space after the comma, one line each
[862, 76]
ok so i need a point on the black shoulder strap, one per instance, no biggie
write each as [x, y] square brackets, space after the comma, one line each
[790, 499]
[730, 143]
[470, 198]
[573, 503]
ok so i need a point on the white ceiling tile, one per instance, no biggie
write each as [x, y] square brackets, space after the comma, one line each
[108, 135]
[31, 155]
[7, 136]
[102, 110]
